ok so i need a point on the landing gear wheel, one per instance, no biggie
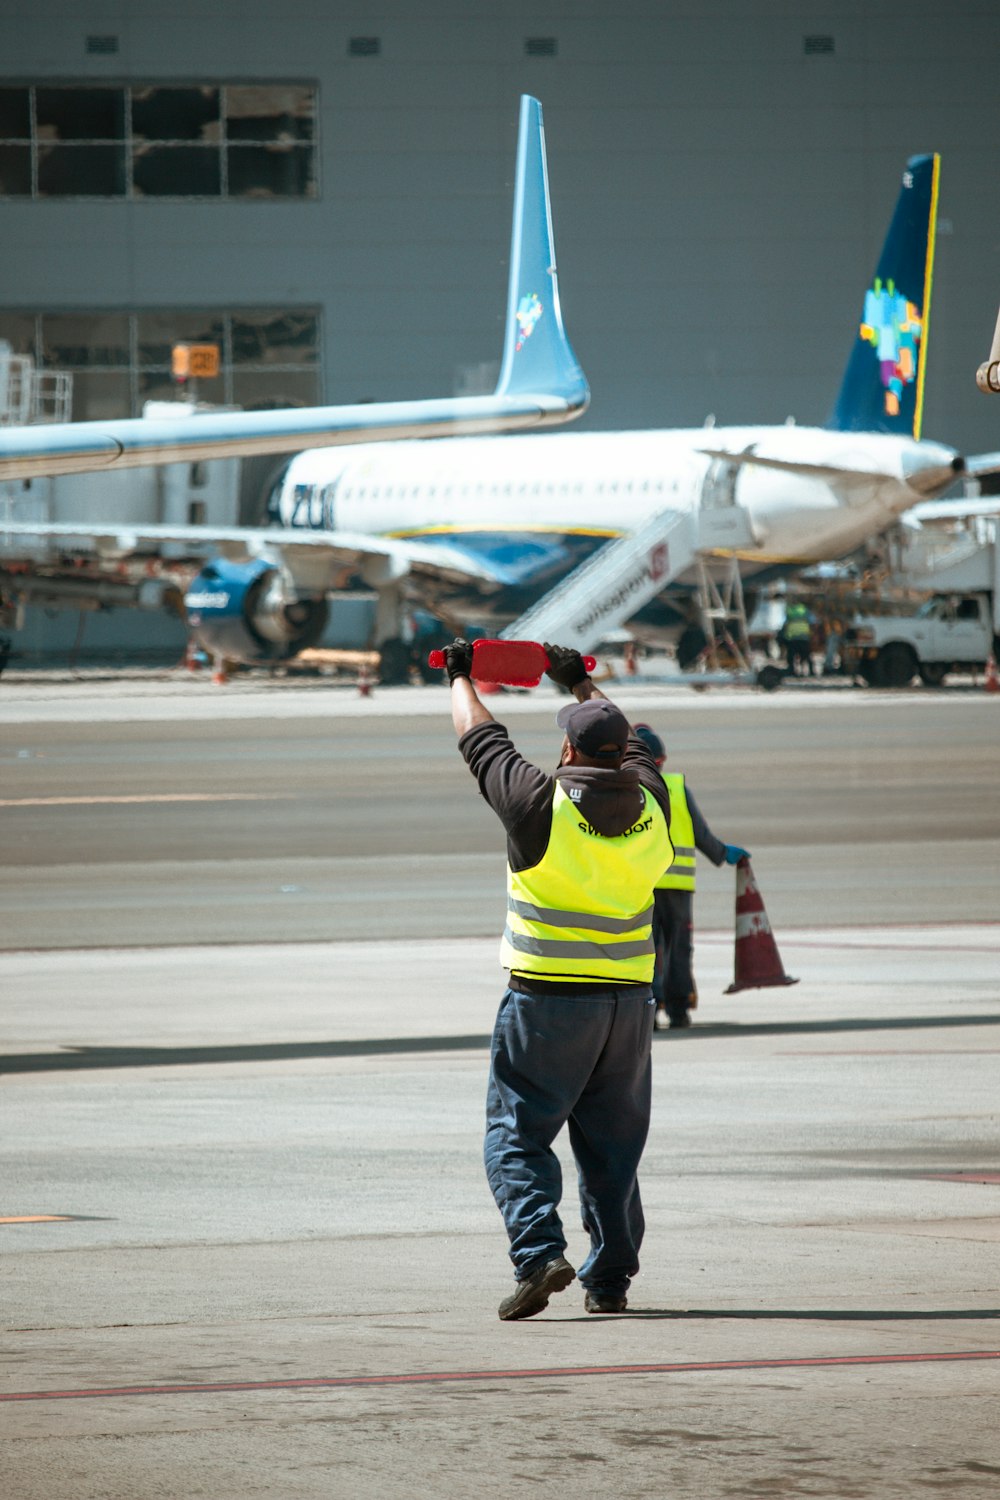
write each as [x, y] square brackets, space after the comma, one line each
[395, 661]
[690, 646]
[895, 666]
[770, 678]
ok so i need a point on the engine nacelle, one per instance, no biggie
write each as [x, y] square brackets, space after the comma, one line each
[246, 612]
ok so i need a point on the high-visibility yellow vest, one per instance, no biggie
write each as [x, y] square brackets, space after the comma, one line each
[680, 875]
[585, 911]
[797, 626]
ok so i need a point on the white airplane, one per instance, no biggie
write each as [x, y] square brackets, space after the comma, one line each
[540, 384]
[566, 536]
[535, 511]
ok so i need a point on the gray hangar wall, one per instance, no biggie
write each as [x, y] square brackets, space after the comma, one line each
[721, 170]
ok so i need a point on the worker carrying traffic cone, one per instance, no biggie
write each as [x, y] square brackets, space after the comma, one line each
[757, 964]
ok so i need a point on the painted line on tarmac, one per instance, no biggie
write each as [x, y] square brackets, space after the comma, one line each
[436, 1377]
[151, 797]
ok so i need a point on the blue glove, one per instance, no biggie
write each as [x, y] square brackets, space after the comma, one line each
[734, 854]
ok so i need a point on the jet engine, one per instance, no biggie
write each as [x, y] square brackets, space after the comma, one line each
[248, 612]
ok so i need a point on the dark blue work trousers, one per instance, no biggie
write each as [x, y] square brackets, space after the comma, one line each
[582, 1060]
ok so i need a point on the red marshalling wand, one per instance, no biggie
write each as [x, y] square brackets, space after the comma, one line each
[513, 663]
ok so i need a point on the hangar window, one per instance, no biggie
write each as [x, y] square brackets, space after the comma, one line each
[269, 357]
[206, 140]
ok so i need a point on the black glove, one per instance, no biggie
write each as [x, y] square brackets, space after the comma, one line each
[565, 665]
[458, 659]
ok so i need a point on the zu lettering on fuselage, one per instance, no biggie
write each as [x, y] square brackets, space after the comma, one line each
[309, 507]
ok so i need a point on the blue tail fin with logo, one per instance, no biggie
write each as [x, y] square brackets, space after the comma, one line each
[537, 354]
[883, 389]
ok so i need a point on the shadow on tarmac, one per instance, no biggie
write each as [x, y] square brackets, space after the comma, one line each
[75, 1059]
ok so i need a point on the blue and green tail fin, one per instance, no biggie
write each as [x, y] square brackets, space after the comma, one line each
[883, 387]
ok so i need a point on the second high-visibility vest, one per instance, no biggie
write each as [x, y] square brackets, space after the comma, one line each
[797, 626]
[680, 875]
[585, 911]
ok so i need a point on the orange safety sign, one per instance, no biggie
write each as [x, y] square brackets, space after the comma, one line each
[195, 361]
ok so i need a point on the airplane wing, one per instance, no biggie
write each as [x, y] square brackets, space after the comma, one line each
[540, 383]
[303, 552]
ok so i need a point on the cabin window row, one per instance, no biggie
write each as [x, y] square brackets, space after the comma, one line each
[206, 140]
[445, 491]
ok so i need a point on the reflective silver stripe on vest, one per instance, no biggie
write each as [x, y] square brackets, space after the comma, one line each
[555, 918]
[553, 948]
[680, 852]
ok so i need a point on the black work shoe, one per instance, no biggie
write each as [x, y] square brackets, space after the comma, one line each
[534, 1291]
[605, 1302]
[680, 1018]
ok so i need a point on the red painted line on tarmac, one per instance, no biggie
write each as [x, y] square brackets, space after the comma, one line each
[440, 1377]
[961, 1176]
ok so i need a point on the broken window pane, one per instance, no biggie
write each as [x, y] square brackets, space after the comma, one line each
[177, 172]
[81, 171]
[275, 387]
[101, 396]
[15, 171]
[270, 112]
[80, 114]
[159, 331]
[176, 114]
[74, 340]
[271, 172]
[262, 338]
[18, 329]
[15, 115]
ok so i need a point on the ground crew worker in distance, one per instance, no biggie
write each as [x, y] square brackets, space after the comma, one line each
[674, 988]
[572, 1038]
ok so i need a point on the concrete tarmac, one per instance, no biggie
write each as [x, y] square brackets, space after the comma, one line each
[269, 1263]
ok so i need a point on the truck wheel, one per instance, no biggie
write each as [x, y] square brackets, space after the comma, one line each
[932, 673]
[896, 665]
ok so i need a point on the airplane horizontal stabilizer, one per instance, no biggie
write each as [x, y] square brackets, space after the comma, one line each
[795, 466]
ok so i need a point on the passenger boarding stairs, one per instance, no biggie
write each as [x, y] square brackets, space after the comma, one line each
[613, 584]
[609, 588]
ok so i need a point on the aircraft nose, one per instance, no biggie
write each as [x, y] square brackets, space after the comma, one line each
[929, 468]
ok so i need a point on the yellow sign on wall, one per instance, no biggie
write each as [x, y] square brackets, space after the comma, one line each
[195, 361]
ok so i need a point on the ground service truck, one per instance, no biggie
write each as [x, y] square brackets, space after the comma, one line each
[955, 629]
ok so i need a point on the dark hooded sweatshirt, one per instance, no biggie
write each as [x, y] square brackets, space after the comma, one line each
[521, 796]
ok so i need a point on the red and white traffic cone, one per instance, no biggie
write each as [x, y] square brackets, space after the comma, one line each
[220, 671]
[757, 964]
[992, 683]
[364, 681]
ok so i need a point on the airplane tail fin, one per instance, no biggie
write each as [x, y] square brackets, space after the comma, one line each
[883, 388]
[537, 354]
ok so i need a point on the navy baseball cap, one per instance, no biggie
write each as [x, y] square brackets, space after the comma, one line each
[596, 727]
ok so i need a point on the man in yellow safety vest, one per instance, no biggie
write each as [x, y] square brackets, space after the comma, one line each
[673, 982]
[572, 1039]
